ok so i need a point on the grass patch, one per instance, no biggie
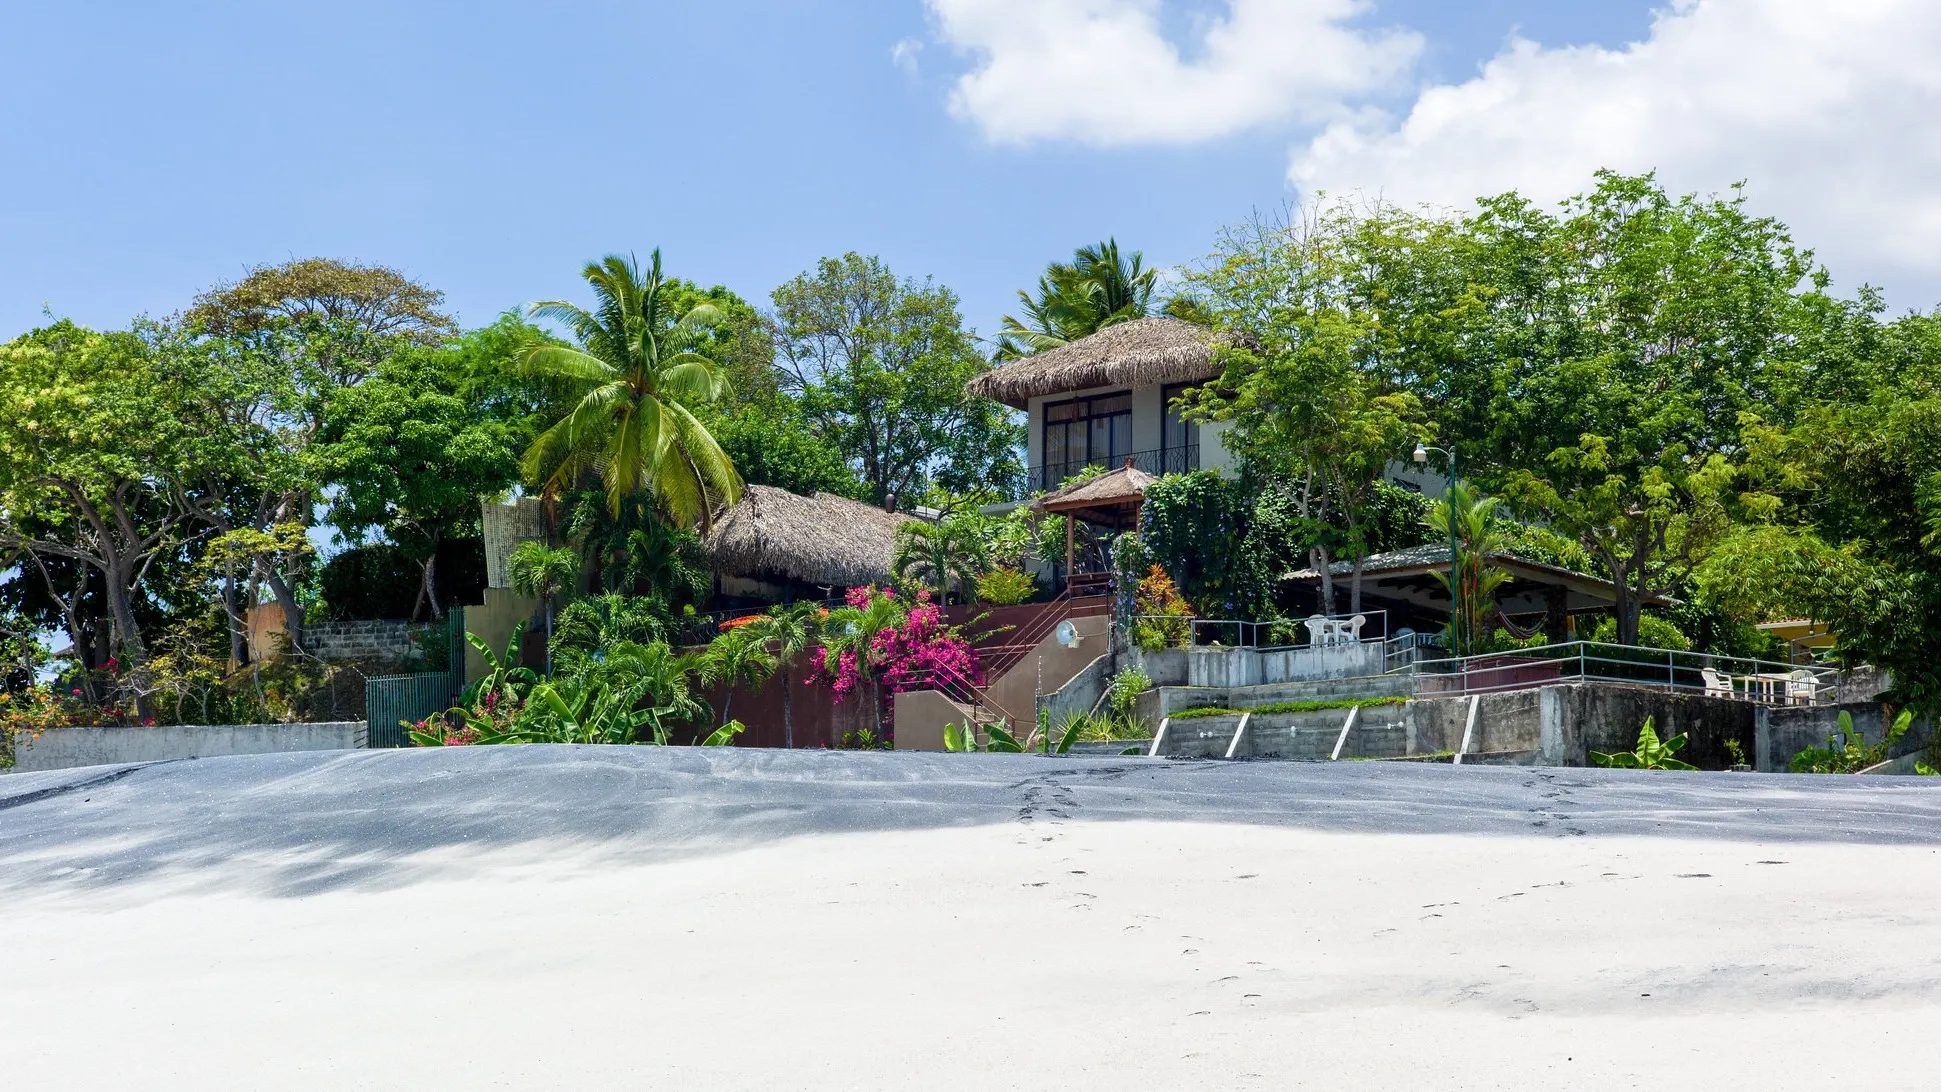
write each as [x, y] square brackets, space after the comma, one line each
[1289, 707]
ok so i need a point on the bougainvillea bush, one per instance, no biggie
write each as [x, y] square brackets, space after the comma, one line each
[894, 645]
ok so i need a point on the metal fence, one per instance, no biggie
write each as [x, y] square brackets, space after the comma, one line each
[1765, 682]
[1276, 634]
[394, 702]
[1160, 461]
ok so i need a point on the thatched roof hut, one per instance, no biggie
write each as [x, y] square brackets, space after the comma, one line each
[1119, 488]
[820, 539]
[1142, 351]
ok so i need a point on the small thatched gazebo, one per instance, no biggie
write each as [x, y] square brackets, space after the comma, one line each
[774, 538]
[1112, 500]
[1142, 351]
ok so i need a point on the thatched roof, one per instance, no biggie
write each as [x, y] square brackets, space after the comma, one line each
[817, 539]
[1126, 485]
[1143, 351]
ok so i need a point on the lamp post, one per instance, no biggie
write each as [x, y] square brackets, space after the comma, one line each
[1449, 498]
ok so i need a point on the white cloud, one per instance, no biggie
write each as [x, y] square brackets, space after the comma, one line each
[1103, 72]
[1829, 110]
[904, 54]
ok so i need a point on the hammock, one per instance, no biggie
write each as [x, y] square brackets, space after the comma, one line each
[1519, 632]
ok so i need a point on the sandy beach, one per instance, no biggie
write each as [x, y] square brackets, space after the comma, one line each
[346, 921]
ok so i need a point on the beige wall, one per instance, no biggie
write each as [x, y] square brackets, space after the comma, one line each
[1148, 414]
[920, 719]
[1043, 671]
[492, 622]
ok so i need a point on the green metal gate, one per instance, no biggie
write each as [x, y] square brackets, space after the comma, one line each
[392, 703]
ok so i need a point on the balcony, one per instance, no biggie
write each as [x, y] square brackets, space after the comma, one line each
[1171, 460]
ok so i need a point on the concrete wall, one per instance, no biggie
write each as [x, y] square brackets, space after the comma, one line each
[1079, 695]
[65, 748]
[1046, 669]
[1781, 732]
[920, 719]
[493, 622]
[505, 526]
[1230, 667]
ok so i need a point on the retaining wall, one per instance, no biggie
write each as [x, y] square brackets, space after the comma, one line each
[66, 748]
[1229, 667]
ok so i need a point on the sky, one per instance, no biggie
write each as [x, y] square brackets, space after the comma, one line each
[489, 150]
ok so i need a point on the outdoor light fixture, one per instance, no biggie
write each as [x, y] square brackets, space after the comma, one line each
[1421, 455]
[1067, 634]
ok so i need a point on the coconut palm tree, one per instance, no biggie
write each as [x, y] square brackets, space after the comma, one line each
[631, 426]
[789, 631]
[1099, 287]
[939, 555]
[543, 573]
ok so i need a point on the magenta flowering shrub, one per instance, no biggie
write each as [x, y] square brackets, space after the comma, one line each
[922, 651]
[912, 650]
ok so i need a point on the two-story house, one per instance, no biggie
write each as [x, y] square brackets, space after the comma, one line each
[1108, 397]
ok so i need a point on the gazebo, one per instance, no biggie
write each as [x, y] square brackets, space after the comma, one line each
[1112, 500]
[774, 543]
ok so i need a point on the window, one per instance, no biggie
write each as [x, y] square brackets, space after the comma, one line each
[1086, 432]
[1179, 438]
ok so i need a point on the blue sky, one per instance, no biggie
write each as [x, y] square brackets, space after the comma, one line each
[490, 149]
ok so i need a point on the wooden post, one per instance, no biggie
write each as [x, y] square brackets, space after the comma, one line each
[1071, 531]
[1556, 615]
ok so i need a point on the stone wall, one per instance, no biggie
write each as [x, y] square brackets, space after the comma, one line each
[66, 748]
[333, 642]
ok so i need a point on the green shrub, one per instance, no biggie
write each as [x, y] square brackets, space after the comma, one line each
[1123, 692]
[1006, 586]
[1851, 753]
[1650, 754]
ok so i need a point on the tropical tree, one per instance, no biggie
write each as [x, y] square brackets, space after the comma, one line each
[543, 572]
[1477, 538]
[631, 426]
[1097, 288]
[942, 555]
[878, 365]
[789, 631]
[410, 458]
[739, 657]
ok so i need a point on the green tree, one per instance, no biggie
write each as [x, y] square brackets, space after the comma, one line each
[1627, 341]
[99, 450]
[410, 458]
[790, 630]
[1097, 288]
[740, 657]
[544, 573]
[941, 556]
[632, 427]
[1471, 580]
[879, 365]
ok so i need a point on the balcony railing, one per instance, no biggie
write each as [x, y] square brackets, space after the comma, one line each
[1171, 460]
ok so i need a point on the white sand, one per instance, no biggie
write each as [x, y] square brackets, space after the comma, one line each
[1076, 955]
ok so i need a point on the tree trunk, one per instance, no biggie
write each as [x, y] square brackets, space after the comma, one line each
[1321, 563]
[428, 584]
[238, 640]
[287, 599]
[788, 713]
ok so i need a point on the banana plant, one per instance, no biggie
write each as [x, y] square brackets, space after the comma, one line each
[963, 738]
[1650, 754]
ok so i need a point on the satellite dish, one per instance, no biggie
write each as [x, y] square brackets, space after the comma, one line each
[1067, 634]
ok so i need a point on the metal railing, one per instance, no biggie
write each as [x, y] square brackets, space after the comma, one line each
[1737, 678]
[1276, 634]
[1169, 460]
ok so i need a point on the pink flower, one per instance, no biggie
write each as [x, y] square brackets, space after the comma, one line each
[77, 691]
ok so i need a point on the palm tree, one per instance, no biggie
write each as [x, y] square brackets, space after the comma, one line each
[1098, 288]
[543, 573]
[630, 427]
[1477, 537]
[939, 555]
[739, 656]
[789, 631]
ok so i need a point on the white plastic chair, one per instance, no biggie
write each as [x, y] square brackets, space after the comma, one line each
[1349, 631]
[1716, 685]
[1801, 688]
[1320, 630]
